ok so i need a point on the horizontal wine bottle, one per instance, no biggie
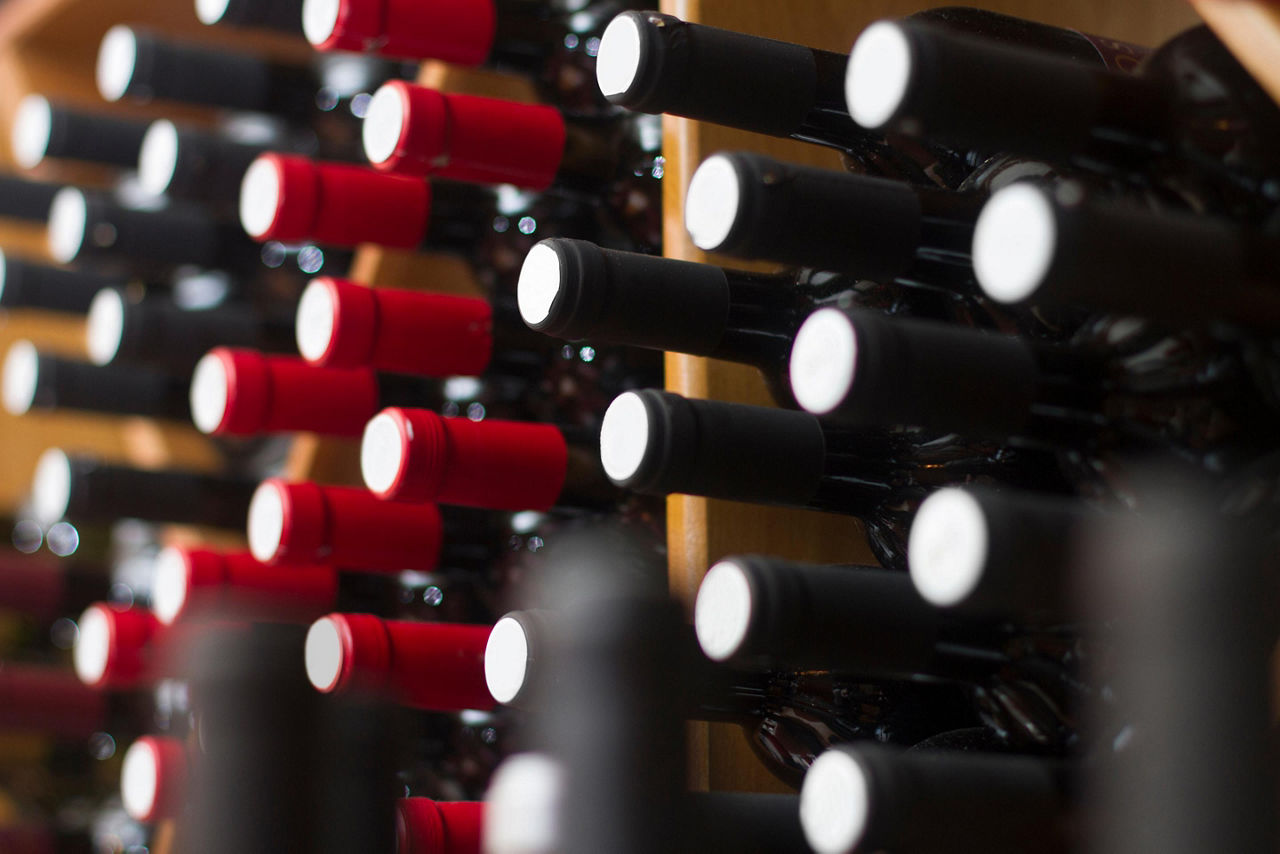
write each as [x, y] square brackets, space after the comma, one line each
[195, 165]
[576, 290]
[767, 613]
[426, 826]
[342, 324]
[281, 15]
[42, 130]
[305, 523]
[416, 455]
[85, 489]
[1011, 555]
[117, 648]
[539, 41]
[45, 589]
[431, 666]
[869, 798]
[153, 778]
[25, 200]
[193, 581]
[35, 380]
[1060, 246]
[752, 206]
[52, 701]
[91, 228]
[27, 284]
[413, 130]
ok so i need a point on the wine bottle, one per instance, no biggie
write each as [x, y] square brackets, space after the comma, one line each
[416, 455]
[426, 826]
[752, 206]
[25, 200]
[44, 130]
[282, 15]
[918, 78]
[26, 284]
[195, 165]
[548, 45]
[575, 290]
[413, 130]
[35, 380]
[153, 778]
[868, 798]
[193, 581]
[1011, 555]
[157, 331]
[117, 648]
[45, 589]
[1059, 245]
[768, 613]
[52, 701]
[342, 324]
[431, 666]
[305, 523]
[91, 228]
[85, 489]
[245, 393]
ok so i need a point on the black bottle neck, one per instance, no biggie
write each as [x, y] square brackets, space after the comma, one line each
[160, 332]
[67, 384]
[30, 285]
[26, 200]
[94, 137]
[102, 492]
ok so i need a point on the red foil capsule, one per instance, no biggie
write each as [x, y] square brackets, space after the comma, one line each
[49, 700]
[417, 455]
[412, 130]
[433, 666]
[304, 523]
[245, 393]
[341, 324]
[115, 647]
[292, 199]
[193, 579]
[153, 778]
[425, 826]
[457, 31]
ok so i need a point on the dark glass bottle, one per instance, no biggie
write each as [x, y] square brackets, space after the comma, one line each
[26, 284]
[44, 589]
[42, 130]
[281, 15]
[25, 200]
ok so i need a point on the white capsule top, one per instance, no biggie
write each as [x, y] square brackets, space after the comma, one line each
[21, 377]
[711, 202]
[722, 611]
[319, 18]
[834, 803]
[823, 361]
[506, 659]
[170, 585]
[51, 487]
[624, 436]
[266, 522]
[211, 11]
[381, 453]
[315, 320]
[383, 124]
[32, 126]
[1014, 242]
[117, 57]
[68, 219]
[158, 157]
[878, 74]
[323, 654]
[522, 806]
[209, 394]
[104, 326]
[140, 780]
[93, 645]
[618, 60]
[947, 547]
[260, 197]
[539, 283]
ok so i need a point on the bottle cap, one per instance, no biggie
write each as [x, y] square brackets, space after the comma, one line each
[111, 646]
[506, 659]
[189, 577]
[1014, 243]
[292, 199]
[622, 55]
[117, 59]
[158, 157]
[32, 128]
[51, 487]
[824, 361]
[835, 803]
[153, 778]
[522, 809]
[723, 610]
[879, 74]
[211, 12]
[21, 377]
[104, 326]
[948, 547]
[424, 826]
[68, 220]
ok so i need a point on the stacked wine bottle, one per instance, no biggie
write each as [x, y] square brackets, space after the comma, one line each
[1065, 477]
